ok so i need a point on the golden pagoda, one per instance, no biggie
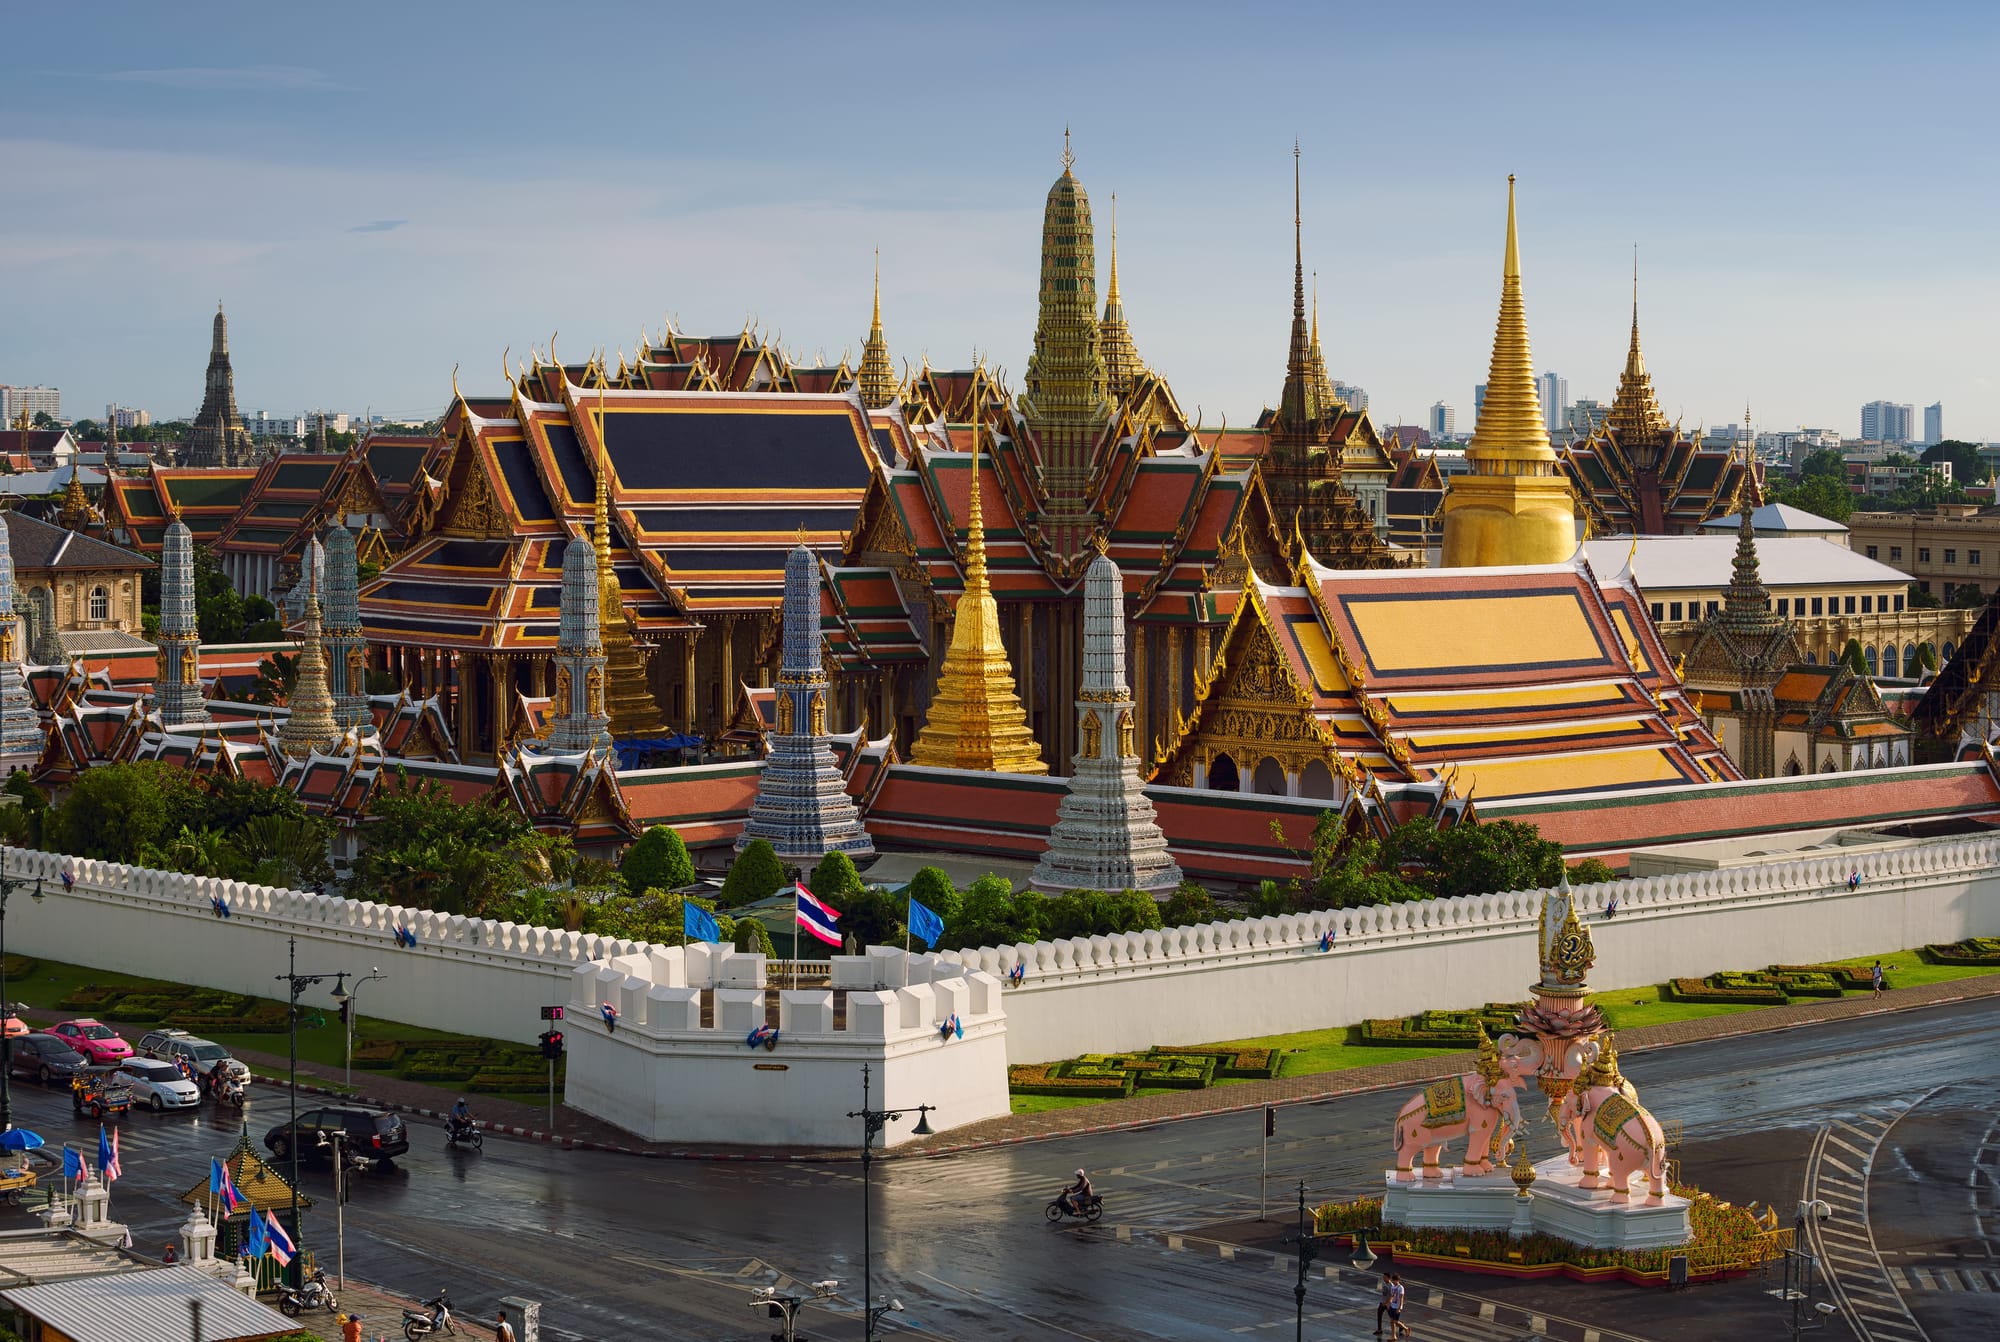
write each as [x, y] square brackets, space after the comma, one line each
[1122, 365]
[1515, 505]
[878, 378]
[76, 513]
[627, 700]
[976, 720]
[310, 725]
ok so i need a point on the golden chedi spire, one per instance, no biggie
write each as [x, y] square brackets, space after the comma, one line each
[310, 725]
[1122, 364]
[1299, 405]
[976, 720]
[1514, 506]
[878, 377]
[1635, 414]
[627, 701]
[76, 513]
[1316, 361]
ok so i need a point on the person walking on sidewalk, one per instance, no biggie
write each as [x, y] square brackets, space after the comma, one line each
[1382, 1307]
[1398, 1298]
[503, 1331]
[1877, 974]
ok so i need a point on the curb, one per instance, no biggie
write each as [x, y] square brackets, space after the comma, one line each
[1098, 1129]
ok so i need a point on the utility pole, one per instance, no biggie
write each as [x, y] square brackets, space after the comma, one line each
[1308, 1243]
[872, 1123]
[297, 983]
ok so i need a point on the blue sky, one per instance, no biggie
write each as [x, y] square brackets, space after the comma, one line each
[379, 192]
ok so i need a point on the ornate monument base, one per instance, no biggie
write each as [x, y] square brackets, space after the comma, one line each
[1556, 1205]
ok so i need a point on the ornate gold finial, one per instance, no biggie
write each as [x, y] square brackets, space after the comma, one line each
[802, 533]
[1488, 1063]
[876, 320]
[1101, 542]
[1111, 294]
[1069, 159]
[456, 395]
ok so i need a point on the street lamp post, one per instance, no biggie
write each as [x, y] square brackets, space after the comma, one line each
[872, 1123]
[337, 1143]
[297, 983]
[1308, 1242]
[349, 1009]
[787, 1307]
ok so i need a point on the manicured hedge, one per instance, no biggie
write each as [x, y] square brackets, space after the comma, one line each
[1753, 989]
[1852, 978]
[1443, 1029]
[1971, 951]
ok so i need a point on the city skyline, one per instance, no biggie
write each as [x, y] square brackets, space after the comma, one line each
[372, 217]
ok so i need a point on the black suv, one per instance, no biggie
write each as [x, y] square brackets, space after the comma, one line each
[44, 1057]
[372, 1134]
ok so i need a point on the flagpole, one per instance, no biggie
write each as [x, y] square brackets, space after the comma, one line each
[906, 939]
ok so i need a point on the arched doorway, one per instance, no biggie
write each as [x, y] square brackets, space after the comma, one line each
[1316, 780]
[1222, 774]
[1869, 653]
[1270, 777]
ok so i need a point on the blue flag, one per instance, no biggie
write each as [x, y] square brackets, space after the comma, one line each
[699, 923]
[73, 1167]
[255, 1245]
[925, 925]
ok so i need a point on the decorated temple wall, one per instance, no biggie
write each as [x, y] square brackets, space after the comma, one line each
[665, 1076]
[1268, 975]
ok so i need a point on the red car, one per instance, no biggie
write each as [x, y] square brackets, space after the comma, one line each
[94, 1041]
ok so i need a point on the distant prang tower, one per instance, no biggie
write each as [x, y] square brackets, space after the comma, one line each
[217, 437]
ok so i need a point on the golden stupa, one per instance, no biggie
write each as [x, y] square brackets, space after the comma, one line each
[310, 725]
[630, 705]
[1514, 506]
[976, 720]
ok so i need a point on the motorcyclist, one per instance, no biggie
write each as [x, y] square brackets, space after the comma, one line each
[1076, 1197]
[461, 1117]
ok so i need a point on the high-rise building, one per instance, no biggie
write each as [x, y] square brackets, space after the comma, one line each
[1933, 423]
[38, 400]
[1586, 417]
[1554, 393]
[1444, 421]
[1888, 422]
[1351, 396]
[1478, 400]
[125, 417]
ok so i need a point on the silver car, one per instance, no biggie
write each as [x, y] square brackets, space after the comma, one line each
[157, 1084]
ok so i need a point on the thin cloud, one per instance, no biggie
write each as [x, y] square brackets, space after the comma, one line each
[231, 79]
[379, 226]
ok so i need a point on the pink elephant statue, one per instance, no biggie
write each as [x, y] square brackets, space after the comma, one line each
[1482, 1106]
[1609, 1133]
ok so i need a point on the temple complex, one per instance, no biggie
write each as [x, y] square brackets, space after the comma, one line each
[578, 722]
[217, 436]
[177, 691]
[346, 650]
[1514, 506]
[802, 805]
[20, 725]
[309, 727]
[1106, 836]
[1638, 475]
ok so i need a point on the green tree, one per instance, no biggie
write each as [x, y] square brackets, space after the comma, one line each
[1189, 905]
[1590, 871]
[198, 852]
[277, 674]
[869, 914]
[116, 810]
[1854, 657]
[752, 937]
[659, 861]
[423, 849]
[1919, 599]
[755, 874]
[283, 850]
[835, 877]
[1498, 855]
[987, 916]
[1968, 467]
[932, 888]
[1821, 495]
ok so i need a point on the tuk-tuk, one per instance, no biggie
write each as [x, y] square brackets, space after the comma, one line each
[97, 1092]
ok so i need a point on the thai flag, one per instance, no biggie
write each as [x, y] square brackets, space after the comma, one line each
[69, 881]
[275, 1238]
[817, 918]
[107, 1153]
[221, 1186]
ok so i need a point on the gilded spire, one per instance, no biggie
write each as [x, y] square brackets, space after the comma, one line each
[1511, 427]
[628, 700]
[1066, 376]
[1316, 360]
[309, 726]
[1635, 413]
[975, 719]
[1122, 365]
[878, 377]
[76, 514]
[1299, 405]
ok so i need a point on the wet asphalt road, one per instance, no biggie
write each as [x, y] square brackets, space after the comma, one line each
[620, 1247]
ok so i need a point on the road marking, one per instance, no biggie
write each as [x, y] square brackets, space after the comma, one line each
[1862, 1287]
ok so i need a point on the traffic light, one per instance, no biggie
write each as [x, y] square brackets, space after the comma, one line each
[1270, 1121]
[346, 1010]
[552, 1044]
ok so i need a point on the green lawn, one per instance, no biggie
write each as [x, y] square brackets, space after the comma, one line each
[1309, 1052]
[1633, 1007]
[1907, 969]
[1041, 1104]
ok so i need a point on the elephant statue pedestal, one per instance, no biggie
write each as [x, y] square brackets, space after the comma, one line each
[1557, 1204]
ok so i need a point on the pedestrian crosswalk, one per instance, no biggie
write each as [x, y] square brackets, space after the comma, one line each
[1938, 1278]
[1865, 1291]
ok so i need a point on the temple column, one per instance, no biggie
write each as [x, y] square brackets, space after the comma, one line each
[728, 672]
[687, 681]
[1142, 698]
[1176, 638]
[1201, 659]
[1246, 776]
[1024, 659]
[500, 675]
[1291, 782]
[889, 703]
[462, 705]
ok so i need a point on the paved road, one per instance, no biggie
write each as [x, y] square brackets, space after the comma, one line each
[621, 1247]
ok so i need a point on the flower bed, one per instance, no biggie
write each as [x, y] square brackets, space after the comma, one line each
[1114, 1076]
[1728, 1240]
[1443, 1029]
[1753, 989]
[1971, 951]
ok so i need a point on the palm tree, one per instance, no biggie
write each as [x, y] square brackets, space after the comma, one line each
[276, 675]
[290, 849]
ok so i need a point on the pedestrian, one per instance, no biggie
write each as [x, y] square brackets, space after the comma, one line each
[1382, 1306]
[1877, 975]
[170, 1255]
[1398, 1297]
[350, 1328]
[1611, 907]
[503, 1331]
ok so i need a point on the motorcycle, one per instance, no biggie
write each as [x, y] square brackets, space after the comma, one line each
[462, 1134]
[434, 1317]
[314, 1294]
[226, 1089]
[1092, 1208]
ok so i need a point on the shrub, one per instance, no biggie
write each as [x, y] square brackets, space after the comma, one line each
[1442, 1029]
[835, 877]
[753, 937]
[1742, 989]
[659, 861]
[932, 888]
[755, 874]
[1590, 871]
[1971, 951]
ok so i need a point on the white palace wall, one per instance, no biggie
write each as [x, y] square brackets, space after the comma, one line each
[665, 1075]
[1265, 976]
